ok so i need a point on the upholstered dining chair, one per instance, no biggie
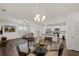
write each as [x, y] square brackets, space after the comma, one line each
[40, 49]
[21, 46]
[22, 49]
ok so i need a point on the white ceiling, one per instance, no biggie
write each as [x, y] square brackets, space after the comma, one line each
[28, 10]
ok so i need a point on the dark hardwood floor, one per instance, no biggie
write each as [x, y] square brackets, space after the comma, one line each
[10, 50]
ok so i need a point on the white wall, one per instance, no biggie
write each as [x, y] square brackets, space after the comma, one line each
[73, 31]
[11, 35]
[33, 28]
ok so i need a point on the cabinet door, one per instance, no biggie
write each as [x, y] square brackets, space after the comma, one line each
[73, 31]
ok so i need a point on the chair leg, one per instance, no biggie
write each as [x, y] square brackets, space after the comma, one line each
[60, 53]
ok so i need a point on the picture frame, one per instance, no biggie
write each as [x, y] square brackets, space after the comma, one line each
[1, 30]
[9, 28]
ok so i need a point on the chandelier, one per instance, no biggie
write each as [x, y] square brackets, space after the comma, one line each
[39, 17]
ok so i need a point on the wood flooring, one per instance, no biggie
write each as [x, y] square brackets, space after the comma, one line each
[10, 50]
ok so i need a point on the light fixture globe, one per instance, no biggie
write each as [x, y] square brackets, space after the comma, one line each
[43, 18]
[39, 18]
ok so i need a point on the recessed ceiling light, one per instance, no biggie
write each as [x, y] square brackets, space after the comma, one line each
[3, 10]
